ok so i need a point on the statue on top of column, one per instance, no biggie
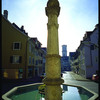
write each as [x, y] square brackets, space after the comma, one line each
[53, 7]
[53, 3]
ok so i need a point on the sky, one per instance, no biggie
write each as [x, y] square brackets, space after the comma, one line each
[76, 17]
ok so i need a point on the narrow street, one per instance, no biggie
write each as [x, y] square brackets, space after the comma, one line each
[73, 79]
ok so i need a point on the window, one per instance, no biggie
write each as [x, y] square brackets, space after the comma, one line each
[41, 55]
[92, 47]
[36, 62]
[41, 61]
[20, 74]
[16, 46]
[29, 59]
[96, 58]
[32, 60]
[36, 53]
[15, 59]
[39, 45]
[30, 47]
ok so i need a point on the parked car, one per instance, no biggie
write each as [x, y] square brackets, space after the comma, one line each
[95, 77]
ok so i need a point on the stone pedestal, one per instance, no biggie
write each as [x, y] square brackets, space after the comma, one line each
[53, 92]
[53, 66]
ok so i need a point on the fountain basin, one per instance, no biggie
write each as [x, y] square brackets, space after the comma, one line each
[30, 92]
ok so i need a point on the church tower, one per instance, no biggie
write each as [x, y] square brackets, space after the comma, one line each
[64, 50]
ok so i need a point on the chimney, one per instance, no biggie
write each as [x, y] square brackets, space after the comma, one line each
[22, 27]
[6, 14]
[97, 25]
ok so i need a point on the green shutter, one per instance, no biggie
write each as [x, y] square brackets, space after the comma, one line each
[20, 59]
[11, 59]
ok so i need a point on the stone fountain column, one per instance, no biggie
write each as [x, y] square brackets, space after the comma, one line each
[53, 66]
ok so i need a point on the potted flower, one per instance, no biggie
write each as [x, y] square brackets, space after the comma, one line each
[41, 89]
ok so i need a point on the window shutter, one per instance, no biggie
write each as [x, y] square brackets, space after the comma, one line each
[20, 45]
[12, 46]
[41, 61]
[11, 59]
[33, 60]
[92, 47]
[20, 59]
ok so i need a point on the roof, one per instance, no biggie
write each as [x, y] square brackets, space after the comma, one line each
[35, 39]
[44, 48]
[20, 29]
[72, 54]
[87, 35]
[14, 26]
[96, 27]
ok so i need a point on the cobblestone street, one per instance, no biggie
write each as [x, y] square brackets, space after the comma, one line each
[73, 79]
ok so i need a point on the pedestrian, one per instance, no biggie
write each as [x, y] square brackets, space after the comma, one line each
[61, 75]
[77, 69]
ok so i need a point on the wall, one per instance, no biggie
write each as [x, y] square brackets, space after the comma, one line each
[10, 35]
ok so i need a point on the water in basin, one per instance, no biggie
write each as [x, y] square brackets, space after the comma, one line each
[32, 93]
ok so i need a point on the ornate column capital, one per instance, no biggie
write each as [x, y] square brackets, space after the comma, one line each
[52, 7]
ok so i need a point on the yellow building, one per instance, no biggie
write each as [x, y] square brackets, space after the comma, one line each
[21, 55]
[13, 50]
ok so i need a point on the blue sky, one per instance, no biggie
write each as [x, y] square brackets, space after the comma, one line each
[76, 17]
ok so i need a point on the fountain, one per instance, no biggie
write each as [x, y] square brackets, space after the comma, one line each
[31, 92]
[53, 66]
[54, 87]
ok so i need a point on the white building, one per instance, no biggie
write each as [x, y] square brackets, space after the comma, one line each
[88, 59]
[94, 51]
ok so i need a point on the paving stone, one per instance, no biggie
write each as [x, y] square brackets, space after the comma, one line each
[73, 79]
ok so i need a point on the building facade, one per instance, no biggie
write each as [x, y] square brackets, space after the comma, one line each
[71, 60]
[13, 50]
[38, 57]
[22, 56]
[89, 50]
[87, 54]
[30, 58]
[44, 58]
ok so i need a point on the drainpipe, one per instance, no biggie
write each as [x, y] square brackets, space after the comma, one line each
[26, 60]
